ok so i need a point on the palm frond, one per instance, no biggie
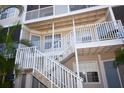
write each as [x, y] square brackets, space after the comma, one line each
[119, 57]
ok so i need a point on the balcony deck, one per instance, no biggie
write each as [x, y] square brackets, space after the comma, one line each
[97, 35]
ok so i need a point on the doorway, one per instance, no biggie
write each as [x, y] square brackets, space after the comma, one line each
[111, 75]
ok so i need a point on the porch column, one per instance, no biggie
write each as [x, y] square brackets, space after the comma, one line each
[76, 54]
[102, 71]
[111, 13]
[53, 32]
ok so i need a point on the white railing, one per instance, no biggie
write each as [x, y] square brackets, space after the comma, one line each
[55, 72]
[67, 47]
[84, 34]
[99, 32]
[38, 13]
[88, 33]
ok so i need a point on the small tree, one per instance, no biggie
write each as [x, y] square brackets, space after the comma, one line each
[119, 60]
[7, 56]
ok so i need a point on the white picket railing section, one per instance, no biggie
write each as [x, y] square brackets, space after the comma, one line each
[99, 32]
[67, 47]
[55, 72]
[39, 13]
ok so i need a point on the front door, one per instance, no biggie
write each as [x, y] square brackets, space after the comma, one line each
[111, 75]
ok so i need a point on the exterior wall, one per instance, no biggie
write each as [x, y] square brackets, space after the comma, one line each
[24, 80]
[28, 34]
[102, 83]
[28, 81]
[18, 81]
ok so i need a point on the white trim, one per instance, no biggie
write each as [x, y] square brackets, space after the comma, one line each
[53, 10]
[100, 43]
[24, 14]
[53, 36]
[119, 77]
[102, 70]
[68, 8]
[106, 60]
[111, 13]
[21, 34]
[75, 49]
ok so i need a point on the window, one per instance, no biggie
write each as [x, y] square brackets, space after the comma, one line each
[43, 6]
[35, 40]
[32, 7]
[8, 13]
[89, 71]
[92, 77]
[78, 7]
[48, 41]
[4, 15]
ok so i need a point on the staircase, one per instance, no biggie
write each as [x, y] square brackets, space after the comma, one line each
[57, 74]
[48, 65]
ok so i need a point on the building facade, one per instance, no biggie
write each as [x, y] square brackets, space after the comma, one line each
[73, 45]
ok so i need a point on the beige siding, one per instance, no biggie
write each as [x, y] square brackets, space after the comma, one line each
[106, 56]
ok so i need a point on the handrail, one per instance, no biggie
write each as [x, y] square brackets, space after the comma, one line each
[55, 72]
[99, 32]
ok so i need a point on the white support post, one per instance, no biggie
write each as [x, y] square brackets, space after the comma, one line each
[34, 57]
[53, 32]
[102, 71]
[119, 78]
[111, 13]
[76, 54]
[68, 8]
[24, 14]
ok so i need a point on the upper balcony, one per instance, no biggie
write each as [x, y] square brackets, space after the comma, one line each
[43, 12]
[100, 34]
[39, 13]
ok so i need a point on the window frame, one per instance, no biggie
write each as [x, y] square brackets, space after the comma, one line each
[51, 41]
[7, 13]
[36, 36]
[98, 72]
